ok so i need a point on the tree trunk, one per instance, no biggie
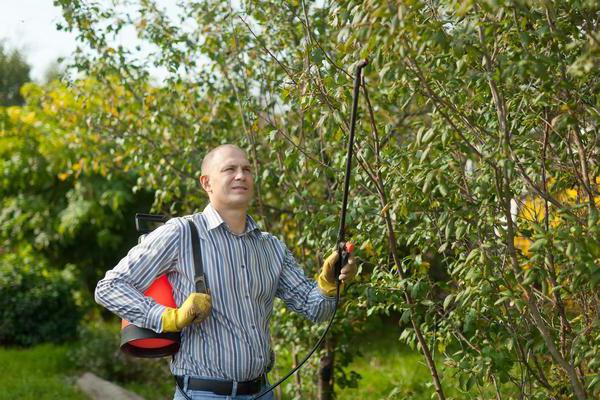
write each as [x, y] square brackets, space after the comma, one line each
[297, 376]
[325, 385]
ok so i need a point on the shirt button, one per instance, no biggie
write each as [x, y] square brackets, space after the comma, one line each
[243, 266]
[247, 296]
[253, 327]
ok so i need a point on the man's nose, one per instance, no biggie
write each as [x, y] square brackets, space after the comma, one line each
[239, 174]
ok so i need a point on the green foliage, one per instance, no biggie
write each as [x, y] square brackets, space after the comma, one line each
[485, 128]
[97, 350]
[476, 112]
[14, 73]
[55, 195]
[38, 304]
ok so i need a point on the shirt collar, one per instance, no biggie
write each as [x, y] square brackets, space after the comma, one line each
[214, 220]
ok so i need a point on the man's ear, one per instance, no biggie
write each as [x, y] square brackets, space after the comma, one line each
[205, 182]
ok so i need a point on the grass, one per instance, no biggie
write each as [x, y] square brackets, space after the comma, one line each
[157, 391]
[45, 372]
[39, 373]
[389, 370]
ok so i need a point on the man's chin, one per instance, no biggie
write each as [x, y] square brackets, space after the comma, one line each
[240, 202]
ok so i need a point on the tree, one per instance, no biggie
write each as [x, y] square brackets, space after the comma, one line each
[14, 73]
[55, 195]
[472, 111]
[55, 71]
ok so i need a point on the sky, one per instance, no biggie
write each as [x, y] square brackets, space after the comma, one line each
[30, 26]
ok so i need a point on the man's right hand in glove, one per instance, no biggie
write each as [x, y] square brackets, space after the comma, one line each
[194, 309]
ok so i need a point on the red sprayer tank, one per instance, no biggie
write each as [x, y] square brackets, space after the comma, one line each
[142, 342]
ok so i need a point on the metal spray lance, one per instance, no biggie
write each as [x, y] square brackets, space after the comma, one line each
[344, 249]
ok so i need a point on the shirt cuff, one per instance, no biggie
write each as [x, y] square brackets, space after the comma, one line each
[154, 317]
[323, 295]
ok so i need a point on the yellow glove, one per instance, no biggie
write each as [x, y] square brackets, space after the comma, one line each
[326, 279]
[194, 309]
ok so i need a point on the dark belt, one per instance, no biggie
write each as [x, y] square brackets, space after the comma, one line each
[223, 388]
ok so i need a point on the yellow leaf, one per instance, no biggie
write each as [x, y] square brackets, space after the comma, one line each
[522, 244]
[533, 210]
[14, 113]
[28, 118]
[367, 247]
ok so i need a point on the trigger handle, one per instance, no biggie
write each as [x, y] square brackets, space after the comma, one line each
[344, 250]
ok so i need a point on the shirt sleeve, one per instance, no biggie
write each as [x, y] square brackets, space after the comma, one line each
[121, 290]
[301, 294]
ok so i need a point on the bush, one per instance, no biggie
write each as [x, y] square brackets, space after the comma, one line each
[98, 351]
[38, 304]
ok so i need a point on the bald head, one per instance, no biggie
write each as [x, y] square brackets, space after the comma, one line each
[208, 159]
[227, 178]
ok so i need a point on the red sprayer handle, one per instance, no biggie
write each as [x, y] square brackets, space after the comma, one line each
[344, 251]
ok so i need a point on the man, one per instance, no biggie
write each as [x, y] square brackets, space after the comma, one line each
[225, 340]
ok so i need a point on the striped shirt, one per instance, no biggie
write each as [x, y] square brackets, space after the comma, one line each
[244, 274]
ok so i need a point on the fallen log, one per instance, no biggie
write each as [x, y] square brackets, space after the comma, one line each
[97, 388]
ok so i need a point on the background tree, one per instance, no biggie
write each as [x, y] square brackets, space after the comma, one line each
[55, 71]
[56, 199]
[14, 73]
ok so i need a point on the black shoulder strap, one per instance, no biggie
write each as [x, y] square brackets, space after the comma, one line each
[198, 268]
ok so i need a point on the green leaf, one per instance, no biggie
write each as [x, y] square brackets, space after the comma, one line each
[538, 244]
[443, 190]
[425, 153]
[448, 300]
[427, 182]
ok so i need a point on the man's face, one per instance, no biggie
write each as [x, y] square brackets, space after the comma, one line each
[228, 179]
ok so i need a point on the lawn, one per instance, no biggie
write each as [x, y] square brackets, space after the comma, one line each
[389, 370]
[38, 373]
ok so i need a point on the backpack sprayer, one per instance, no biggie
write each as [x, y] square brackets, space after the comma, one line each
[142, 342]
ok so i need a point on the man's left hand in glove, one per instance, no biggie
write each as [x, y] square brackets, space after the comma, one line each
[326, 279]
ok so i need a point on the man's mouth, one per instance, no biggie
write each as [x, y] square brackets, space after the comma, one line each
[241, 188]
